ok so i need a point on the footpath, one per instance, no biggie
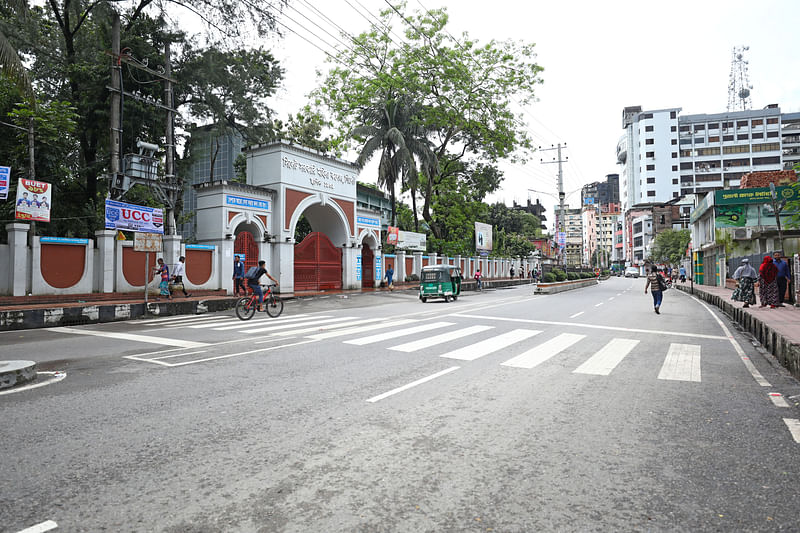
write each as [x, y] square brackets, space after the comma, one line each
[28, 312]
[778, 330]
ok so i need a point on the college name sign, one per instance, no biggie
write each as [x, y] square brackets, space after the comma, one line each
[250, 203]
[757, 195]
[319, 177]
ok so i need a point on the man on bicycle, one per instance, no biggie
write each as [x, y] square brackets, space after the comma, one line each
[253, 275]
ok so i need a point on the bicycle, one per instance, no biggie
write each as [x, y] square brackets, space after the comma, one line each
[247, 305]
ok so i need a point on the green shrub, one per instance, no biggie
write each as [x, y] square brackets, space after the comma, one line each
[606, 273]
[560, 275]
[572, 276]
[412, 277]
[549, 277]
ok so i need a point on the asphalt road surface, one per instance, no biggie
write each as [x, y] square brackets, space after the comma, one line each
[503, 411]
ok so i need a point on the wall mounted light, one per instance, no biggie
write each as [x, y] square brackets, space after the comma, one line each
[229, 236]
[288, 239]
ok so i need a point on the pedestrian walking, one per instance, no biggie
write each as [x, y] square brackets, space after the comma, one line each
[783, 276]
[768, 283]
[745, 290]
[656, 285]
[177, 275]
[478, 279]
[512, 271]
[238, 276]
[163, 271]
[389, 276]
[682, 273]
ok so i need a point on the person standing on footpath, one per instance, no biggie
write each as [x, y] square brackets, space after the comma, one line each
[238, 276]
[511, 272]
[745, 291]
[389, 276]
[783, 276]
[768, 283]
[177, 275]
[656, 285]
[478, 279]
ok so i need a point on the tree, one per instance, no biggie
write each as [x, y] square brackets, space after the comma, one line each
[10, 63]
[670, 245]
[464, 91]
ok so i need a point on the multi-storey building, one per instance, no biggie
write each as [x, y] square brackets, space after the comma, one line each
[589, 215]
[607, 224]
[790, 140]
[717, 150]
[573, 228]
[601, 192]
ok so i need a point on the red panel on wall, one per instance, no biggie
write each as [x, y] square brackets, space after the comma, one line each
[63, 264]
[409, 265]
[198, 266]
[367, 267]
[348, 208]
[293, 199]
[389, 263]
[133, 266]
[231, 215]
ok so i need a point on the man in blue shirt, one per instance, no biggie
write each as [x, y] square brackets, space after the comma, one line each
[238, 277]
[783, 276]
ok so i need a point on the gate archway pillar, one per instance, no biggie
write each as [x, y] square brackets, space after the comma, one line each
[282, 257]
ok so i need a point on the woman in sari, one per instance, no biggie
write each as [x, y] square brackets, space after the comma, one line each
[745, 292]
[163, 287]
[768, 283]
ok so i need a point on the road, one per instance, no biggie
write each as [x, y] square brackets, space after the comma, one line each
[503, 411]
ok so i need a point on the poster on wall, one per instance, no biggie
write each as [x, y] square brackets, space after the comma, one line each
[33, 200]
[392, 235]
[5, 181]
[122, 216]
[483, 236]
[409, 240]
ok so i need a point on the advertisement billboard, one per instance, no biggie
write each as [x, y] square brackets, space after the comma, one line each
[5, 182]
[483, 236]
[122, 216]
[409, 240]
[33, 200]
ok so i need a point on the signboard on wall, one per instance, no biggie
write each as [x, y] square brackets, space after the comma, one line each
[249, 203]
[120, 215]
[392, 235]
[147, 242]
[409, 240]
[368, 222]
[5, 182]
[483, 236]
[33, 200]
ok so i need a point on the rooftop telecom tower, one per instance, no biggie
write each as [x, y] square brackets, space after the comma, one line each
[739, 83]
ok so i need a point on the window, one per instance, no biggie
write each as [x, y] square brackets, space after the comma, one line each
[766, 160]
[645, 116]
[758, 122]
[708, 177]
[735, 149]
[714, 139]
[713, 126]
[686, 153]
[742, 137]
[651, 193]
[772, 134]
[675, 195]
[741, 162]
[684, 128]
[651, 167]
[674, 141]
[687, 179]
[674, 181]
[651, 180]
[648, 128]
[673, 114]
[674, 168]
[687, 166]
[673, 128]
[707, 151]
[727, 137]
[699, 140]
[648, 141]
[674, 155]
[741, 124]
[727, 124]
[699, 127]
[650, 154]
[766, 147]
[772, 120]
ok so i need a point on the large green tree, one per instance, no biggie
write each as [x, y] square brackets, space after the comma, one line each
[669, 246]
[464, 91]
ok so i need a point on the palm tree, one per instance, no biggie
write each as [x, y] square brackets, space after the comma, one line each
[390, 126]
[10, 63]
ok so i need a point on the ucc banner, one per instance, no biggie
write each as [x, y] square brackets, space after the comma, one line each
[122, 216]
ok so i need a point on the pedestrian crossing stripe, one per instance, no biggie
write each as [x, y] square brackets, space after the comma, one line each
[491, 345]
[398, 333]
[413, 346]
[362, 329]
[682, 363]
[548, 349]
[607, 359]
[271, 328]
[317, 327]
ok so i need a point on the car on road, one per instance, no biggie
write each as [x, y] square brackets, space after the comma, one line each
[632, 272]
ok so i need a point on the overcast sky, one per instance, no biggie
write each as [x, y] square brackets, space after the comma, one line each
[598, 58]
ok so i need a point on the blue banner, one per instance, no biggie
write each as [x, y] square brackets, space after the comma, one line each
[367, 221]
[202, 247]
[62, 240]
[130, 217]
[251, 203]
[5, 180]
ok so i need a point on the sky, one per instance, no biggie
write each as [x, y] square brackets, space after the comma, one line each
[598, 58]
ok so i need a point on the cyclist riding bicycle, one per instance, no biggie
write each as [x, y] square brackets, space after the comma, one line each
[252, 276]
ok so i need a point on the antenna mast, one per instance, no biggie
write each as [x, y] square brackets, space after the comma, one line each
[739, 82]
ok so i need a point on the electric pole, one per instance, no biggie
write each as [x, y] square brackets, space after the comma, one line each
[562, 226]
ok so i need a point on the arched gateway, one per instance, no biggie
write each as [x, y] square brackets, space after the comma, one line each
[258, 219]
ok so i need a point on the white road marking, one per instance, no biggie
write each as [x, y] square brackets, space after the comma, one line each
[327, 327]
[598, 305]
[397, 333]
[55, 378]
[168, 319]
[794, 428]
[611, 298]
[682, 363]
[778, 399]
[479, 349]
[413, 346]
[225, 356]
[577, 314]
[280, 320]
[592, 326]
[413, 384]
[178, 355]
[272, 328]
[130, 337]
[40, 528]
[543, 352]
[362, 329]
[607, 359]
[743, 356]
[221, 321]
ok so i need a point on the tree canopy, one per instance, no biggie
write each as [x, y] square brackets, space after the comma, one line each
[669, 246]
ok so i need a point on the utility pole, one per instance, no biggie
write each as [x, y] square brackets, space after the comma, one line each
[170, 141]
[116, 78]
[562, 227]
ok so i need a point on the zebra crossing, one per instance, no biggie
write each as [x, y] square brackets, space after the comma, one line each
[682, 362]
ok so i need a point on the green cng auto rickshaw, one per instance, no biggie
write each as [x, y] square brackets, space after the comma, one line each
[440, 281]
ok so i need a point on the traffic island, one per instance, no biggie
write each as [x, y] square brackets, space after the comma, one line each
[561, 286]
[14, 373]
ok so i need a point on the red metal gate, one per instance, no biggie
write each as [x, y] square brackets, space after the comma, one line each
[317, 264]
[245, 245]
[367, 267]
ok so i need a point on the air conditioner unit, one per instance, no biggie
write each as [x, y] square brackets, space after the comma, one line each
[741, 234]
